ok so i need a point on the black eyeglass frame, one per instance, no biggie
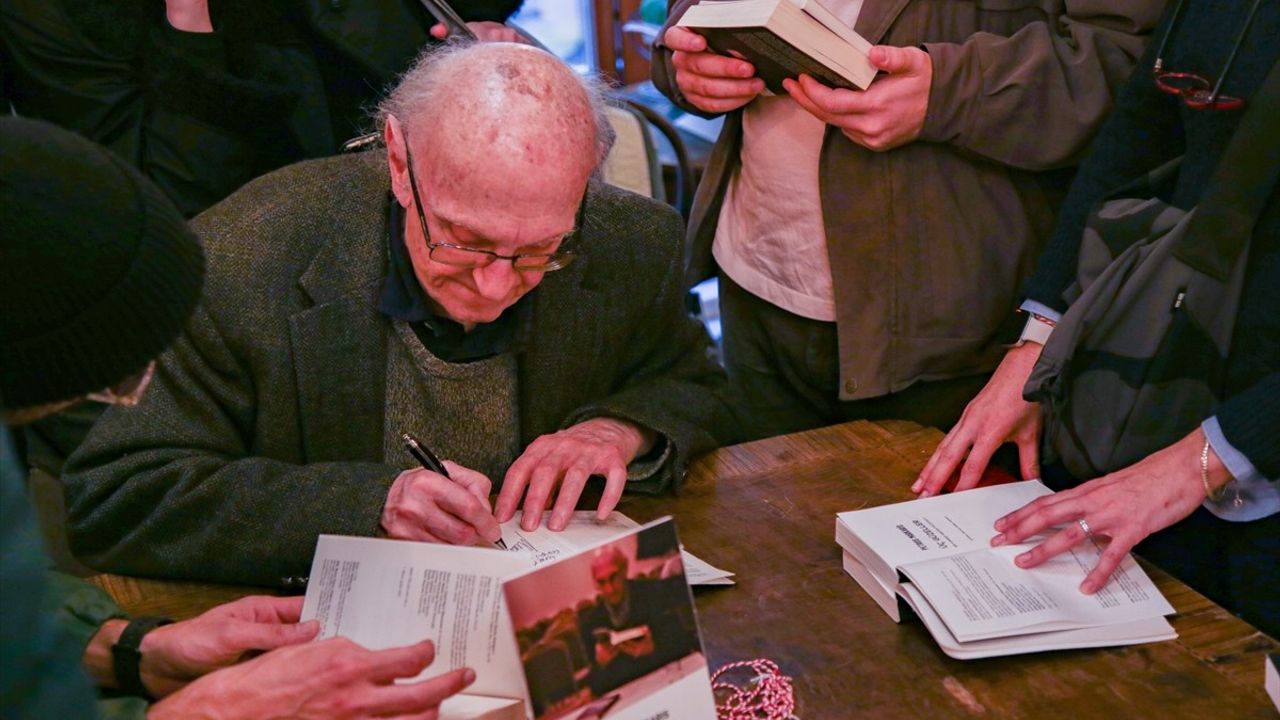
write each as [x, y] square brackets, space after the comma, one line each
[550, 262]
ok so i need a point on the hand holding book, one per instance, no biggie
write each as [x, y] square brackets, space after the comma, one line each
[889, 113]
[711, 82]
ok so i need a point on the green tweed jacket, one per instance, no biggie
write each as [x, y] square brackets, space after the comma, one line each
[264, 425]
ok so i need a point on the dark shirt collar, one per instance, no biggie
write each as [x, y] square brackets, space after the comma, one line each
[404, 299]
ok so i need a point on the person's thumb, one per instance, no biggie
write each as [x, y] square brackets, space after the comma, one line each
[892, 59]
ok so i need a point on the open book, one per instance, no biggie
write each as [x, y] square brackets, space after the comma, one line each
[531, 630]
[584, 531]
[933, 556]
[784, 38]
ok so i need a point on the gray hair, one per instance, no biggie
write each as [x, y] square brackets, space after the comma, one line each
[422, 88]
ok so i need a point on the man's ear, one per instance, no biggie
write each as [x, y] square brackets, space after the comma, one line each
[397, 161]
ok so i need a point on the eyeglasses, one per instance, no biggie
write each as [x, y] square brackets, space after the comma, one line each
[1196, 91]
[469, 257]
[127, 392]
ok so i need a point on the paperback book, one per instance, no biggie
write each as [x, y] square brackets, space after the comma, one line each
[783, 39]
[608, 630]
[933, 556]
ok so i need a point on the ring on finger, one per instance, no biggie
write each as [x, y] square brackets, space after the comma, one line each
[1084, 525]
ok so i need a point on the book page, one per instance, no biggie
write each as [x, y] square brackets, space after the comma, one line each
[1128, 633]
[388, 593]
[887, 537]
[481, 707]
[984, 594]
[584, 531]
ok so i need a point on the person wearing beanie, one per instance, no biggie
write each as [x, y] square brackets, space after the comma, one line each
[98, 274]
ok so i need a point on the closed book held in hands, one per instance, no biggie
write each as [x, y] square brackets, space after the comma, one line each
[784, 39]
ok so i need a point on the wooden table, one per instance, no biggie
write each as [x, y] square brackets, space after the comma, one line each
[766, 510]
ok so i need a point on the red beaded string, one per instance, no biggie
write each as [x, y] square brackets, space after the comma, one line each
[766, 696]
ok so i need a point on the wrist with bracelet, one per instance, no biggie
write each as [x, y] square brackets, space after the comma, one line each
[1215, 496]
[126, 654]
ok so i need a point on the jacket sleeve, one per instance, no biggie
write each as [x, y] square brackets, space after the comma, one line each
[1250, 421]
[170, 102]
[1142, 133]
[491, 10]
[173, 487]
[666, 381]
[1051, 81]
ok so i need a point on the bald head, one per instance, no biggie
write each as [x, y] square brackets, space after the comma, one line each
[482, 112]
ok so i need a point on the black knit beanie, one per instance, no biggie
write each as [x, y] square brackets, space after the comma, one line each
[98, 271]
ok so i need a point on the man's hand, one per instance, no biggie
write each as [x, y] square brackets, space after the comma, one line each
[639, 647]
[711, 82]
[174, 655]
[333, 679]
[996, 416]
[188, 15]
[636, 647]
[429, 507]
[565, 459]
[1126, 506]
[887, 114]
[485, 31]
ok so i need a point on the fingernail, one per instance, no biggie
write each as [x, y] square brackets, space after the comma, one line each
[469, 676]
[926, 494]
[1086, 587]
[915, 486]
[1000, 524]
[997, 540]
[1023, 558]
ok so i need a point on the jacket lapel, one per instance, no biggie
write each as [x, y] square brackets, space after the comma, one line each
[564, 341]
[876, 17]
[339, 349]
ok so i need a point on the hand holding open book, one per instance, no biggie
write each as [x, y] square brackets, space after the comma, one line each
[934, 554]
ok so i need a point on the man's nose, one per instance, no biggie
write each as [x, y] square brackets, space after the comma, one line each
[496, 280]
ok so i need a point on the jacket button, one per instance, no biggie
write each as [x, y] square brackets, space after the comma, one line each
[851, 386]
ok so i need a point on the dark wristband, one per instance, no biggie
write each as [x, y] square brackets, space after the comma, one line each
[126, 654]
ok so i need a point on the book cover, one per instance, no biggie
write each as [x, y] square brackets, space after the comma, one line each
[613, 630]
[1272, 682]
[784, 41]
[774, 59]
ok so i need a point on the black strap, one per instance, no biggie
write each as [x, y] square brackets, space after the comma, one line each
[1239, 188]
[126, 654]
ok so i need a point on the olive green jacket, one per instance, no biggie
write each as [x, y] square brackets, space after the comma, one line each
[264, 425]
[929, 242]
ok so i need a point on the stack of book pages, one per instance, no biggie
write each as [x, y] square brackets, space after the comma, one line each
[933, 557]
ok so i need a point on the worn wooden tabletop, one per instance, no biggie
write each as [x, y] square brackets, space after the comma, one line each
[766, 510]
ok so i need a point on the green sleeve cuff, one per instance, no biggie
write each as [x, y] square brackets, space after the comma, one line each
[80, 607]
